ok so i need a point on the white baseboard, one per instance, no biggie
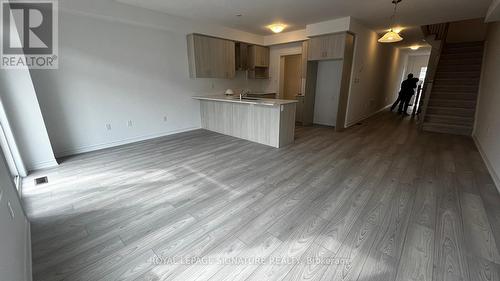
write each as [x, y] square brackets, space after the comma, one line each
[89, 148]
[367, 116]
[43, 165]
[494, 176]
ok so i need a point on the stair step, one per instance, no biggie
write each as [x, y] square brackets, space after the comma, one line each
[455, 88]
[456, 81]
[468, 55]
[448, 129]
[452, 103]
[463, 50]
[469, 47]
[465, 44]
[458, 74]
[453, 120]
[451, 111]
[454, 96]
[459, 68]
[460, 61]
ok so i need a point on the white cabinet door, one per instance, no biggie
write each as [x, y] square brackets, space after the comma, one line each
[327, 92]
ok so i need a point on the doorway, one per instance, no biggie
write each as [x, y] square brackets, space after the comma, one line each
[292, 77]
[417, 65]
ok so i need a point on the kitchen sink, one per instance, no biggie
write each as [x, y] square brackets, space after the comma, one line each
[245, 98]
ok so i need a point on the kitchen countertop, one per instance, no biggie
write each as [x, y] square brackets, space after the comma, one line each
[235, 99]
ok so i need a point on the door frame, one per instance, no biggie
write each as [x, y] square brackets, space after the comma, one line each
[312, 71]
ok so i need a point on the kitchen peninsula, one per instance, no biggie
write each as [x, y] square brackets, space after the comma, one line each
[266, 121]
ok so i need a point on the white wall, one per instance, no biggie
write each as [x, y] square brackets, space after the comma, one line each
[375, 68]
[329, 26]
[276, 52]
[487, 128]
[120, 63]
[23, 120]
[15, 245]
[115, 69]
[285, 37]
[21, 106]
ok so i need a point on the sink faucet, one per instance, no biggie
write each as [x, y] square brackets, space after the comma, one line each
[244, 93]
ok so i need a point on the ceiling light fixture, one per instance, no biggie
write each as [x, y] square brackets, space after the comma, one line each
[277, 27]
[414, 48]
[391, 36]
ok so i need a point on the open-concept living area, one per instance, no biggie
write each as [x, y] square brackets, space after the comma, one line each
[249, 140]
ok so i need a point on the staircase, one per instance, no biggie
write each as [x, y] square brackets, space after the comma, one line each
[452, 103]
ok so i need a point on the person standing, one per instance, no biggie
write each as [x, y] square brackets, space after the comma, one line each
[410, 86]
[404, 97]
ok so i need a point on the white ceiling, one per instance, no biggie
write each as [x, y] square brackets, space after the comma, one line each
[297, 13]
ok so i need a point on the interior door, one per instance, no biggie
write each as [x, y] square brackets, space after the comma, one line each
[327, 92]
[293, 77]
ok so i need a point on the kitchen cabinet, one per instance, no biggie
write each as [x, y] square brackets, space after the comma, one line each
[300, 109]
[258, 62]
[305, 48]
[241, 56]
[327, 47]
[211, 57]
[258, 56]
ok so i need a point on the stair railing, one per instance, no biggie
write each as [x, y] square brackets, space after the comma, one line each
[437, 49]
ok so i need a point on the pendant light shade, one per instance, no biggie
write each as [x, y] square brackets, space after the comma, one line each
[390, 37]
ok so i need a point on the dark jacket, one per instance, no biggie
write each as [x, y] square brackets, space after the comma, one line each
[408, 86]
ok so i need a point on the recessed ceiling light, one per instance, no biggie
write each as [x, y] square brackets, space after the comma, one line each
[276, 27]
[414, 48]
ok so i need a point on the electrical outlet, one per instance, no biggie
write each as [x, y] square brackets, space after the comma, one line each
[165, 119]
[213, 85]
[129, 123]
[108, 127]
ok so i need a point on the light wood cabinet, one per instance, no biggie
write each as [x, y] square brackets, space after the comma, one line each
[305, 48]
[258, 56]
[211, 57]
[258, 62]
[241, 56]
[327, 47]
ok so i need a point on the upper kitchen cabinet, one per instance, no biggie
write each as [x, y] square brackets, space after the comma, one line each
[258, 56]
[211, 57]
[258, 62]
[327, 47]
[241, 56]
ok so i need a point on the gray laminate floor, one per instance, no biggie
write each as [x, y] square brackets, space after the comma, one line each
[380, 201]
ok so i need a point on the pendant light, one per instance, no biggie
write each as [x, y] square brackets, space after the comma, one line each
[391, 36]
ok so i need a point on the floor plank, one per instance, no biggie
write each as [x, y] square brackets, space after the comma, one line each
[379, 201]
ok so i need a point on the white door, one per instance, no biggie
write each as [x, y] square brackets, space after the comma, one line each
[327, 92]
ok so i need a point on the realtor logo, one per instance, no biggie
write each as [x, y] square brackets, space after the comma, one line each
[29, 34]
